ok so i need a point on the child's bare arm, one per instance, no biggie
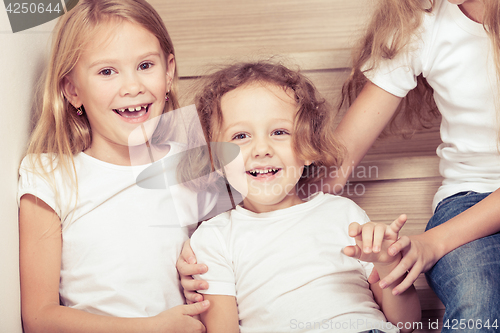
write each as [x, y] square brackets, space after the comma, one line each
[222, 316]
[372, 242]
[360, 127]
[40, 247]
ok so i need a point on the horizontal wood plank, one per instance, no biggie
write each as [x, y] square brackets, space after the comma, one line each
[317, 33]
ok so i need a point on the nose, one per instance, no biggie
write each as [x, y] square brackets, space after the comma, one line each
[262, 147]
[131, 85]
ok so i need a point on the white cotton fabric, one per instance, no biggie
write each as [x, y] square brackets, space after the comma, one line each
[120, 241]
[286, 268]
[454, 55]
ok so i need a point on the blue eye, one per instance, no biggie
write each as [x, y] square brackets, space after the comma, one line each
[107, 72]
[239, 136]
[145, 65]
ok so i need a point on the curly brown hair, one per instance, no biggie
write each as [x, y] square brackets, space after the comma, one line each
[312, 137]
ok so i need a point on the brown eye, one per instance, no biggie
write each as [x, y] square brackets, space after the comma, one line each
[280, 132]
[145, 65]
[106, 72]
[239, 136]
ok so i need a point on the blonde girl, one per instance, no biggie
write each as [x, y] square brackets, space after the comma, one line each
[274, 261]
[445, 52]
[97, 249]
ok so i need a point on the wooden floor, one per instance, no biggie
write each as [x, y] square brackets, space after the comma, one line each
[400, 176]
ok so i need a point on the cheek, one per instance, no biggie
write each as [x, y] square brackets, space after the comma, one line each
[100, 92]
[236, 175]
[296, 172]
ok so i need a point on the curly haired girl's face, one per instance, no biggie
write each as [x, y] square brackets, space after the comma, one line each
[259, 118]
[120, 79]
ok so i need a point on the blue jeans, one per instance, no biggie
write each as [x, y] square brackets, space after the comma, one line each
[467, 280]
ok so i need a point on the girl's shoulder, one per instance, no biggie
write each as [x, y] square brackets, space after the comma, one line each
[47, 166]
[221, 220]
[39, 162]
[345, 207]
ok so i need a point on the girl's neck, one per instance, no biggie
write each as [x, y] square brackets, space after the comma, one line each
[289, 201]
[127, 156]
[473, 9]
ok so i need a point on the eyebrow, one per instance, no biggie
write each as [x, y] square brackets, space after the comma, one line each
[242, 122]
[108, 61]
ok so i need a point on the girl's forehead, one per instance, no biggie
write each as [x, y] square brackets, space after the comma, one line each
[253, 88]
[104, 32]
[118, 39]
[258, 102]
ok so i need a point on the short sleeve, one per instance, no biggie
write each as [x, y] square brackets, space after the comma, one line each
[399, 75]
[31, 182]
[210, 249]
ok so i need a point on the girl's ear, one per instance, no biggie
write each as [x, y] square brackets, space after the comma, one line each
[308, 162]
[170, 71]
[70, 92]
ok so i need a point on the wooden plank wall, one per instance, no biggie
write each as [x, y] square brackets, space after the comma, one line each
[315, 35]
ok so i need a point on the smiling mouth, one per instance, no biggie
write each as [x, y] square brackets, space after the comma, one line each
[263, 172]
[133, 112]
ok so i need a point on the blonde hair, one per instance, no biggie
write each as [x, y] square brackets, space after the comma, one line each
[59, 131]
[312, 137]
[393, 25]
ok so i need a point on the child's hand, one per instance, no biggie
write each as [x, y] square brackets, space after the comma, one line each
[180, 319]
[373, 240]
[187, 266]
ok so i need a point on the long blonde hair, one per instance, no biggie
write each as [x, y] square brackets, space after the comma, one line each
[59, 131]
[393, 25]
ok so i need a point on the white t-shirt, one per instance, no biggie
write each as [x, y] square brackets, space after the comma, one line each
[454, 54]
[120, 241]
[286, 268]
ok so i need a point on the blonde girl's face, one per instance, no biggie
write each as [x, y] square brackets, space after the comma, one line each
[121, 79]
[259, 118]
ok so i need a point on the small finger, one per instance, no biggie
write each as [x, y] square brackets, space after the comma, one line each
[399, 245]
[407, 282]
[352, 251]
[396, 226]
[401, 269]
[196, 309]
[367, 234]
[185, 268]
[354, 229]
[378, 237]
[193, 284]
[193, 297]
